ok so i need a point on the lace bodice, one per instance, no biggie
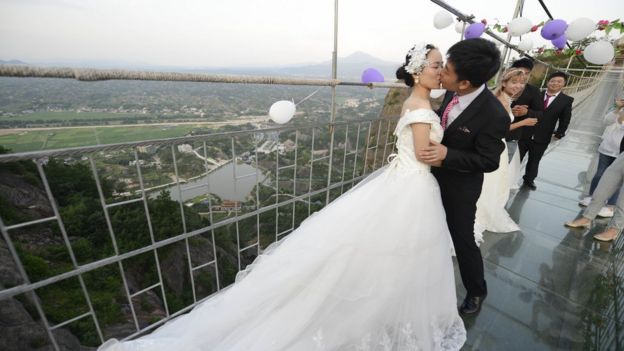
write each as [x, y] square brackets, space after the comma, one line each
[405, 141]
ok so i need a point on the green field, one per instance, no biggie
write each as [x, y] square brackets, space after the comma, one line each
[72, 137]
[68, 116]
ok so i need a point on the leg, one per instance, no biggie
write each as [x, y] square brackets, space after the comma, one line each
[610, 182]
[617, 221]
[613, 200]
[523, 147]
[604, 162]
[536, 151]
[615, 225]
[460, 220]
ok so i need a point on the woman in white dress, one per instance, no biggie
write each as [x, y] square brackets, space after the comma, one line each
[371, 271]
[491, 214]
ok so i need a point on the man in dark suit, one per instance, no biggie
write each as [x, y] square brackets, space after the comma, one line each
[475, 124]
[527, 106]
[534, 141]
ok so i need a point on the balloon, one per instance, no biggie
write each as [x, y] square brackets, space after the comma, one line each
[371, 75]
[599, 52]
[474, 30]
[459, 27]
[519, 26]
[525, 44]
[282, 111]
[442, 19]
[554, 29]
[580, 28]
[560, 42]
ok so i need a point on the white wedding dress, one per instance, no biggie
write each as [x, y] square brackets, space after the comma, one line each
[491, 214]
[371, 271]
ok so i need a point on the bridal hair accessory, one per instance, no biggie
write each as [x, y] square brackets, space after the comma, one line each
[417, 58]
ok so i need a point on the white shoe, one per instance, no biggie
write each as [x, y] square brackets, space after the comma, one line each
[585, 202]
[606, 212]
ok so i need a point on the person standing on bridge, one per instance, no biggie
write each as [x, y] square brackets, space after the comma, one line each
[557, 113]
[526, 108]
[609, 149]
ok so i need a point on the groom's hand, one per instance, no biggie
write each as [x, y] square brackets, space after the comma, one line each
[433, 154]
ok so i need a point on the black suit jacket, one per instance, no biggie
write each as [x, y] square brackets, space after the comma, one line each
[474, 139]
[532, 97]
[559, 110]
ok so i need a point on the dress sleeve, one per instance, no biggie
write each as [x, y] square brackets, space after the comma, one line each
[416, 116]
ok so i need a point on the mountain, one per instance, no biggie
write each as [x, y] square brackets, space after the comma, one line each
[12, 62]
[349, 67]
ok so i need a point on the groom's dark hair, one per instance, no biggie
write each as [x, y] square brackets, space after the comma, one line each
[475, 60]
[524, 62]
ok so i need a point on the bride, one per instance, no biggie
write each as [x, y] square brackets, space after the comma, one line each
[371, 271]
[491, 214]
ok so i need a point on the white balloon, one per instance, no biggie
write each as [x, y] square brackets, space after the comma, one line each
[459, 27]
[519, 26]
[580, 28]
[525, 44]
[442, 19]
[599, 52]
[282, 111]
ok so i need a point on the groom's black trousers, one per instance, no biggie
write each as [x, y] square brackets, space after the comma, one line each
[536, 152]
[460, 192]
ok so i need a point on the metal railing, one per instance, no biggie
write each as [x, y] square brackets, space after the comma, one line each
[361, 146]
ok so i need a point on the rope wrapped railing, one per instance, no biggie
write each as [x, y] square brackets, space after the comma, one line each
[92, 75]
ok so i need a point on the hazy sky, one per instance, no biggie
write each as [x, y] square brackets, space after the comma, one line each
[202, 33]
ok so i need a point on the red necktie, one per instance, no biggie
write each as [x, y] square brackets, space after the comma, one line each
[547, 100]
[454, 101]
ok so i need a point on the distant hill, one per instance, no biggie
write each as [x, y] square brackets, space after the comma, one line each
[349, 67]
[12, 62]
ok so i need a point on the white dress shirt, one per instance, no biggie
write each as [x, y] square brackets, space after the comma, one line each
[612, 135]
[552, 97]
[463, 102]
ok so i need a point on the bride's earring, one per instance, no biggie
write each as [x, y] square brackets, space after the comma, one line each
[416, 80]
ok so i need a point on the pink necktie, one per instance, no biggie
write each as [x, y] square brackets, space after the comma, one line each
[447, 110]
[546, 100]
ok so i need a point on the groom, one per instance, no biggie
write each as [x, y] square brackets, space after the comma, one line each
[475, 123]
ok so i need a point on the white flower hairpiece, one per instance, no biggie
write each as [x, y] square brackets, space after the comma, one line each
[418, 58]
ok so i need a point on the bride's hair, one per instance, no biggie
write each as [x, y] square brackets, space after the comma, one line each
[403, 74]
[506, 76]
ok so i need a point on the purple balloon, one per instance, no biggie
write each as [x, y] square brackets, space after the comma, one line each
[474, 30]
[554, 29]
[371, 75]
[560, 42]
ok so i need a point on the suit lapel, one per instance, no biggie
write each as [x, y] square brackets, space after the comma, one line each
[555, 101]
[470, 111]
